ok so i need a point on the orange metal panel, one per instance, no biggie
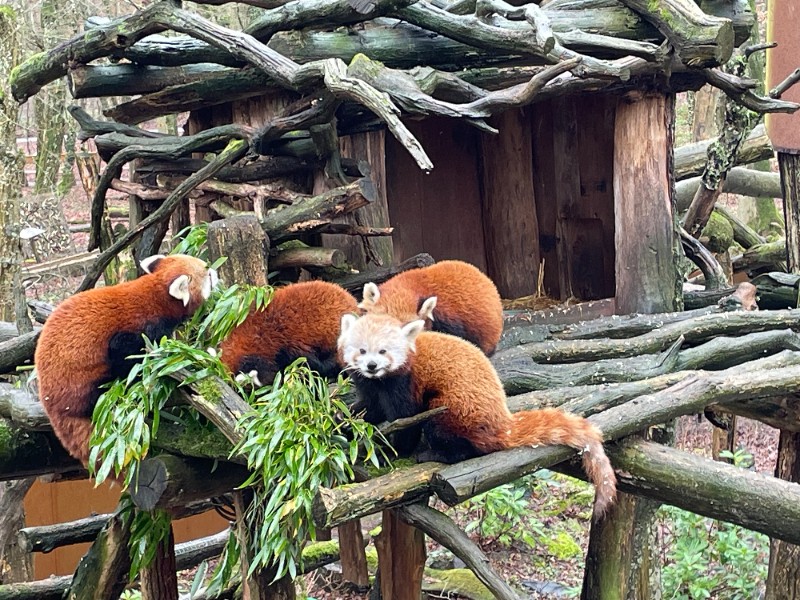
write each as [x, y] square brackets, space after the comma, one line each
[782, 27]
[52, 503]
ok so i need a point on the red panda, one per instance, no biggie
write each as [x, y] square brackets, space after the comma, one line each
[401, 370]
[301, 319]
[450, 296]
[87, 340]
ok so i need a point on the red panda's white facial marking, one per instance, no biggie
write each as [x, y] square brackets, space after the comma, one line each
[376, 345]
[196, 278]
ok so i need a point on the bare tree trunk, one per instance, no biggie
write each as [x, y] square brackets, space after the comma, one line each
[51, 118]
[10, 167]
[760, 213]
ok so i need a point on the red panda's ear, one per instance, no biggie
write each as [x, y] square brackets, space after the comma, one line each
[347, 322]
[370, 295]
[179, 288]
[150, 263]
[426, 310]
[412, 330]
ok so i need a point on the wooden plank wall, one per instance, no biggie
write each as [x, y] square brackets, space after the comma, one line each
[440, 212]
[53, 503]
[542, 190]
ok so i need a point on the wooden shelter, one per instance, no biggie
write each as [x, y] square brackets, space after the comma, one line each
[533, 140]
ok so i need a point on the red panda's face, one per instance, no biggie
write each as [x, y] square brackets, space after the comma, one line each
[376, 345]
[189, 279]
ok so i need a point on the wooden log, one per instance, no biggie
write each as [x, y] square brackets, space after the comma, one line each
[52, 588]
[724, 352]
[627, 326]
[296, 258]
[87, 81]
[740, 180]
[40, 310]
[703, 486]
[304, 216]
[187, 555]
[767, 255]
[335, 506]
[587, 400]
[743, 234]
[693, 330]
[168, 482]
[563, 315]
[644, 282]
[456, 483]
[46, 538]
[355, 283]
[713, 273]
[17, 351]
[22, 408]
[266, 167]
[26, 453]
[520, 373]
[699, 39]
[777, 290]
[103, 571]
[442, 529]
[721, 157]
[243, 241]
[690, 159]
[68, 266]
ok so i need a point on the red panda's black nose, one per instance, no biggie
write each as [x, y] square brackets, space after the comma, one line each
[372, 365]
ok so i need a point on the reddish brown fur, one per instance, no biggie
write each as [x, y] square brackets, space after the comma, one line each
[72, 352]
[465, 296]
[301, 319]
[469, 386]
[454, 373]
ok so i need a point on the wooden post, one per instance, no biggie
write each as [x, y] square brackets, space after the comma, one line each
[783, 581]
[618, 563]
[245, 244]
[159, 581]
[401, 556]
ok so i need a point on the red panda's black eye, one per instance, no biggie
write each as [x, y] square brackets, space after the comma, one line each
[363, 351]
[382, 351]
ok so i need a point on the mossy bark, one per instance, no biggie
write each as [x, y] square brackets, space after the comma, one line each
[10, 166]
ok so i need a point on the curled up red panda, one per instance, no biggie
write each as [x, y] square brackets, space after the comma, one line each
[450, 296]
[87, 340]
[400, 370]
[301, 319]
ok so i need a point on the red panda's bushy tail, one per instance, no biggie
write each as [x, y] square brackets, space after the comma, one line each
[74, 434]
[551, 426]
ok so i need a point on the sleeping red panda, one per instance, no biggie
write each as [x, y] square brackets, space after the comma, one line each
[400, 370]
[87, 340]
[301, 319]
[450, 296]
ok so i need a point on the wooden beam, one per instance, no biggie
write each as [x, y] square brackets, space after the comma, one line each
[647, 281]
[783, 581]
